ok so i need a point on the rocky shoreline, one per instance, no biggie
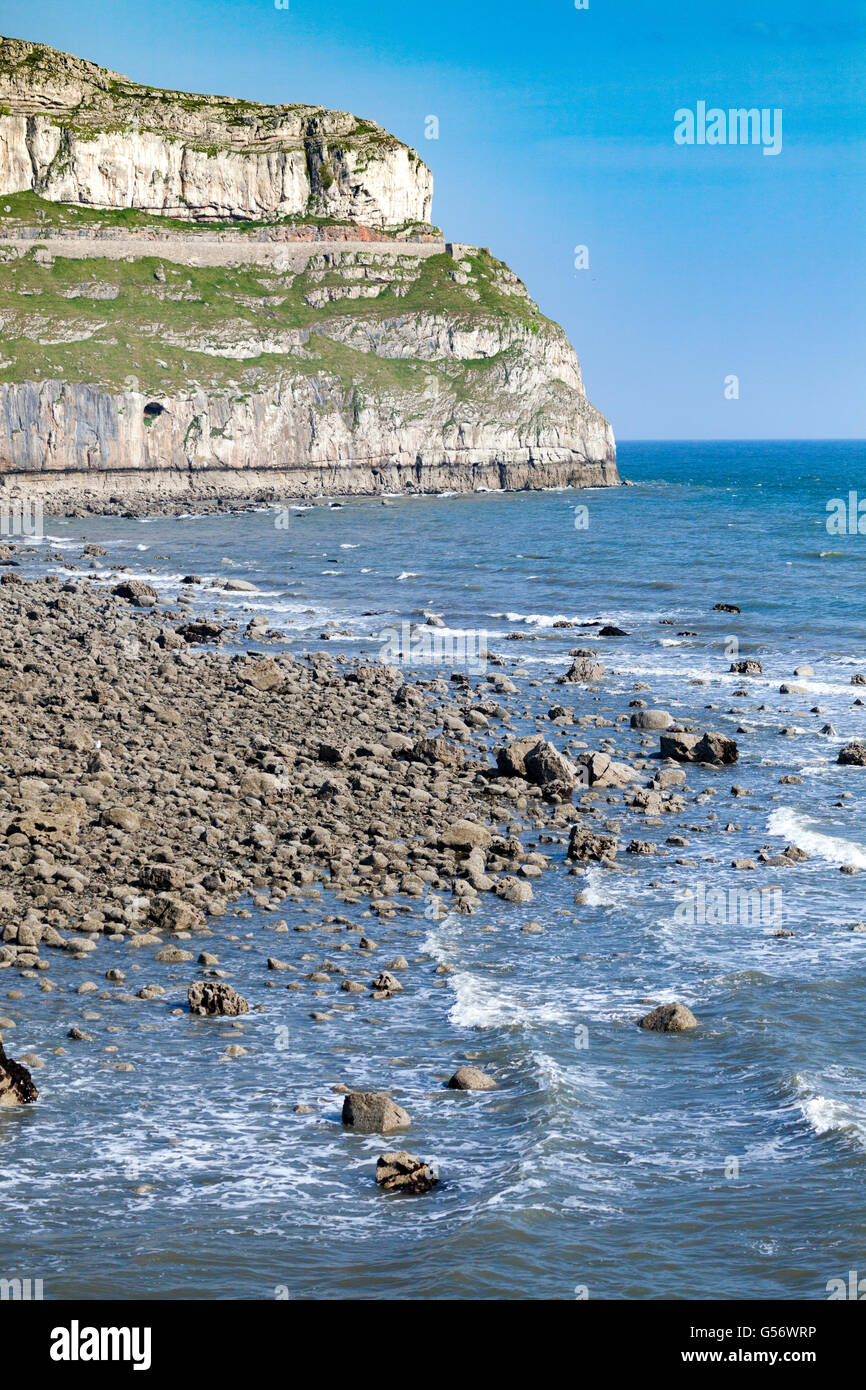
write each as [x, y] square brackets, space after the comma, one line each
[159, 770]
[134, 492]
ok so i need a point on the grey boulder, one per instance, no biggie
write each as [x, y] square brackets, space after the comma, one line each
[373, 1112]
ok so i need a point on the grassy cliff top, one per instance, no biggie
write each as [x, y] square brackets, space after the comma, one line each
[27, 210]
[174, 328]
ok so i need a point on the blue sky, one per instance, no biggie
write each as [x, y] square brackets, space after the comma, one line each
[555, 131]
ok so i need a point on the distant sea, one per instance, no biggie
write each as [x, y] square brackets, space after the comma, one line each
[608, 1163]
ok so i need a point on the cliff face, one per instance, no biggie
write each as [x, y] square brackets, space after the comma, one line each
[281, 359]
[360, 370]
[77, 133]
[86, 443]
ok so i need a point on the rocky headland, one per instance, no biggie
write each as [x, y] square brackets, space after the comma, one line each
[207, 299]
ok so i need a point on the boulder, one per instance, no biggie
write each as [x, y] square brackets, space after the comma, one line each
[373, 1112]
[403, 1172]
[262, 675]
[16, 1083]
[471, 1079]
[170, 913]
[465, 835]
[511, 760]
[136, 592]
[669, 777]
[200, 631]
[669, 1018]
[654, 719]
[208, 999]
[386, 983]
[698, 748]
[602, 771]
[852, 755]
[173, 955]
[46, 827]
[162, 877]
[561, 714]
[332, 754]
[538, 761]
[549, 769]
[582, 671]
[679, 745]
[746, 668]
[122, 818]
[264, 786]
[512, 889]
[715, 748]
[436, 750]
[585, 844]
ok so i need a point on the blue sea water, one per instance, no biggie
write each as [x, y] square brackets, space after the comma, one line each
[609, 1162]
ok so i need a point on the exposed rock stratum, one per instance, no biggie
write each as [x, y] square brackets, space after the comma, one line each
[208, 297]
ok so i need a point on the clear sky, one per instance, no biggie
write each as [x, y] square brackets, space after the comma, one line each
[556, 130]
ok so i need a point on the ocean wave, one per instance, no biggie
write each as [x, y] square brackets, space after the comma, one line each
[827, 1113]
[60, 542]
[793, 827]
[597, 890]
[536, 619]
[483, 1003]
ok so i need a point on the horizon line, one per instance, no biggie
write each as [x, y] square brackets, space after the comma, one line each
[745, 439]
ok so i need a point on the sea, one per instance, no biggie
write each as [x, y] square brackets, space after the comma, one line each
[609, 1162]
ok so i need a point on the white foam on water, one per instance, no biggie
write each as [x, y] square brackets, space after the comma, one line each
[439, 940]
[483, 1003]
[835, 849]
[536, 619]
[830, 1114]
[61, 542]
[816, 769]
[408, 574]
[595, 885]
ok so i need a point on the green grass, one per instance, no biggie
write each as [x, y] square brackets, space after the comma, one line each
[130, 334]
[27, 209]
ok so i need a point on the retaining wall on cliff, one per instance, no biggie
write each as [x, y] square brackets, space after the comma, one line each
[205, 250]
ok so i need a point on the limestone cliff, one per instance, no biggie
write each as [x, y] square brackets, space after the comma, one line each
[324, 350]
[78, 133]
